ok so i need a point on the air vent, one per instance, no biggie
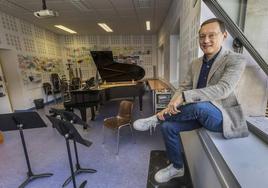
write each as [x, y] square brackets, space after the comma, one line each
[144, 4]
[80, 5]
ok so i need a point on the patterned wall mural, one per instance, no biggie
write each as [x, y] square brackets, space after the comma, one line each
[126, 49]
[35, 70]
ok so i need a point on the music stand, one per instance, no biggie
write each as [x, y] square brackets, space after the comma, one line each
[30, 175]
[68, 116]
[69, 132]
[72, 118]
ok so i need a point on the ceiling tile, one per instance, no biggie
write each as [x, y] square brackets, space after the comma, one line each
[124, 16]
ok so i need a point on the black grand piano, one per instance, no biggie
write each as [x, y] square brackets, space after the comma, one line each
[119, 80]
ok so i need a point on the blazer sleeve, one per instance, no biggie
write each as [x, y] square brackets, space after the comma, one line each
[234, 67]
[187, 83]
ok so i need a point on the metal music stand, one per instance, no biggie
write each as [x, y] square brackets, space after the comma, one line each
[72, 118]
[69, 132]
[30, 174]
[67, 116]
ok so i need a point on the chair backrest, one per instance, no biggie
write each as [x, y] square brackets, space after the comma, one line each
[47, 88]
[55, 80]
[125, 109]
[75, 83]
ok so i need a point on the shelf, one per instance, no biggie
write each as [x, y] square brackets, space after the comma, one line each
[161, 99]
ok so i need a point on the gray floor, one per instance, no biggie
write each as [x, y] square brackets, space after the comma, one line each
[47, 153]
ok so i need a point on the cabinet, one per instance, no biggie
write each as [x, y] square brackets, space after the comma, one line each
[161, 99]
[161, 94]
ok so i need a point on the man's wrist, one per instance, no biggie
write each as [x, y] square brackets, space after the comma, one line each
[183, 99]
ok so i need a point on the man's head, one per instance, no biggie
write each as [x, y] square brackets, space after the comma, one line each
[211, 36]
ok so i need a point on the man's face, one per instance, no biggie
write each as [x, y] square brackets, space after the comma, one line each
[211, 38]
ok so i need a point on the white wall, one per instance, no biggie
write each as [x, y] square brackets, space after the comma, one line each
[232, 7]
[185, 16]
[18, 37]
[256, 25]
[160, 62]
[174, 75]
[78, 48]
[5, 106]
[171, 23]
[190, 23]
[18, 97]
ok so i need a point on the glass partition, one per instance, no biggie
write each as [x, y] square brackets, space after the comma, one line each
[246, 20]
[255, 21]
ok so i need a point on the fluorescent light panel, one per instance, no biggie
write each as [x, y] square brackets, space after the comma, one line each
[148, 25]
[65, 29]
[105, 27]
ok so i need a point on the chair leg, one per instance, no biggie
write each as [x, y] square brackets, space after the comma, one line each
[132, 133]
[154, 128]
[118, 140]
[103, 134]
[46, 97]
[92, 113]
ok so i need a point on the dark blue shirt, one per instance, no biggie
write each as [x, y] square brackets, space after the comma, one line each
[206, 65]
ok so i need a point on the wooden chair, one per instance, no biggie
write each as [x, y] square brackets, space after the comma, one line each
[122, 119]
[1, 137]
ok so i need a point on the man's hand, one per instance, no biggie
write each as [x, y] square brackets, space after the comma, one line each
[160, 114]
[172, 108]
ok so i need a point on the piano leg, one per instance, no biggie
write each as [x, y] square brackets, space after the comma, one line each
[97, 107]
[140, 102]
[83, 112]
[92, 113]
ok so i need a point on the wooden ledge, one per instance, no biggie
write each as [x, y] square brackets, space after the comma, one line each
[156, 84]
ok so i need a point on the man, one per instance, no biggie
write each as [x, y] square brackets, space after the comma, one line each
[205, 98]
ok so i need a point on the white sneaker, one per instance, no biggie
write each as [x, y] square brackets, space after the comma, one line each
[166, 174]
[146, 123]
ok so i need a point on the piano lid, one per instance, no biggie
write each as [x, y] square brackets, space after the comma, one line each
[112, 71]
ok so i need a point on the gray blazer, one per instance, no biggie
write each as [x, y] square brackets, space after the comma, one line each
[222, 80]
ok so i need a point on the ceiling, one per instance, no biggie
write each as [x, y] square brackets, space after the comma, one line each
[123, 16]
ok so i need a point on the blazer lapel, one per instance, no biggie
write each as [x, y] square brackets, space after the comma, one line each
[218, 61]
[196, 71]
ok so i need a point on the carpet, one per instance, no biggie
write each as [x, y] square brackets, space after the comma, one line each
[158, 161]
[28, 119]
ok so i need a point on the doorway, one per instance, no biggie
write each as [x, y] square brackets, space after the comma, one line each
[5, 105]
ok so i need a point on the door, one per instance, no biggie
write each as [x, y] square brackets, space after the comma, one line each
[5, 105]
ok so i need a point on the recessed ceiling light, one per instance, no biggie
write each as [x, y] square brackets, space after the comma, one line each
[105, 27]
[148, 25]
[65, 29]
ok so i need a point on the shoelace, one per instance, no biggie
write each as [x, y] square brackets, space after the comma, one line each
[167, 169]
